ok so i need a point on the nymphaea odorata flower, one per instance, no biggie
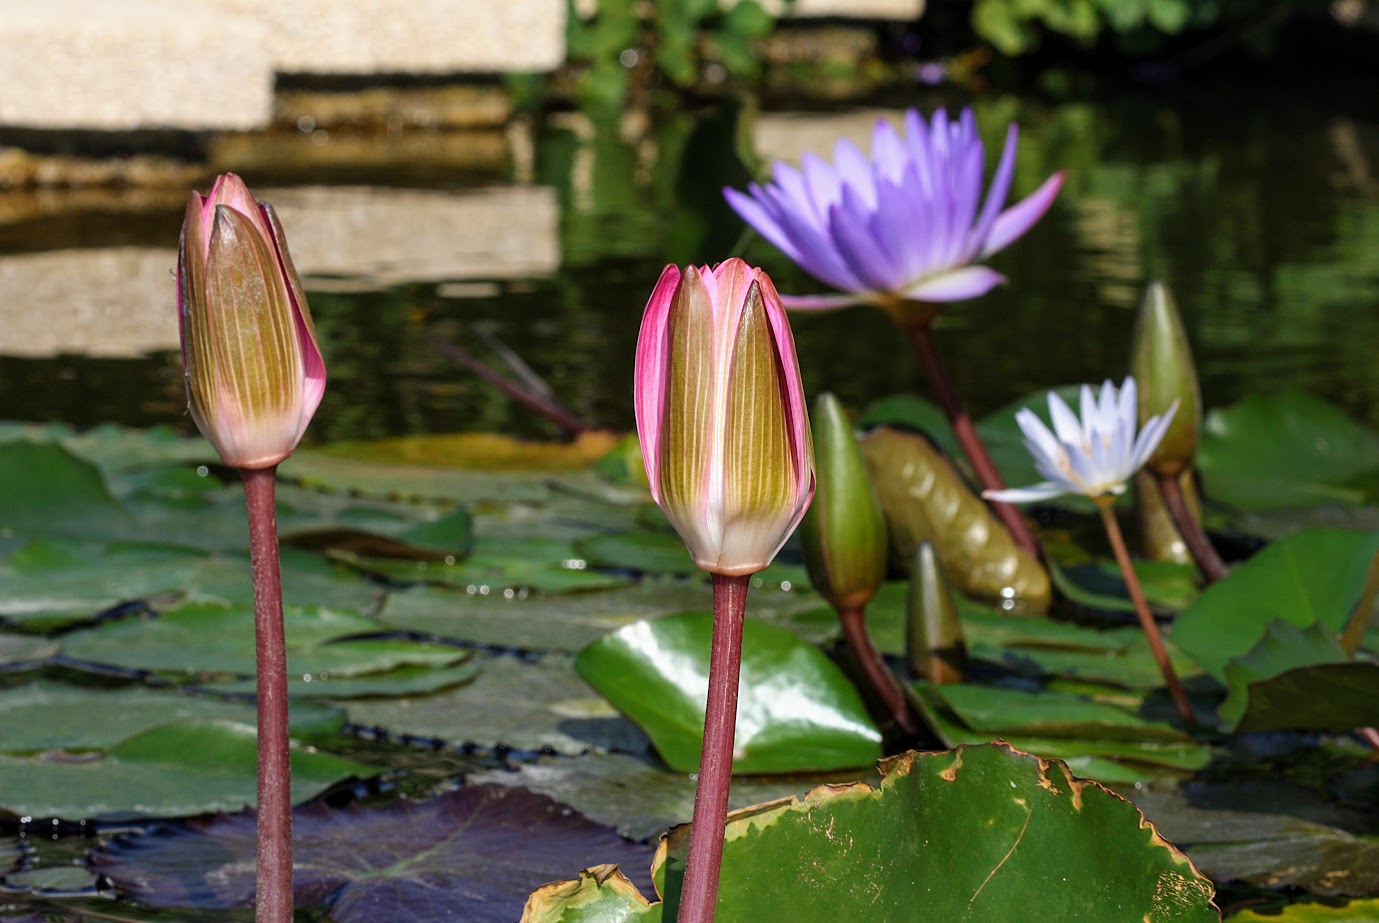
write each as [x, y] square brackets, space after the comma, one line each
[1093, 456]
[254, 373]
[908, 225]
[721, 415]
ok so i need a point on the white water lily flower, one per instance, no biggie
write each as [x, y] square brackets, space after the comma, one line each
[1094, 456]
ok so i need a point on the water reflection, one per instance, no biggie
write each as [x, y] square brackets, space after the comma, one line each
[1259, 209]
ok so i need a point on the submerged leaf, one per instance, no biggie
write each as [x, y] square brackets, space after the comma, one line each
[470, 856]
[925, 499]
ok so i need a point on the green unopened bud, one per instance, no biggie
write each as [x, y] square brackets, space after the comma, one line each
[844, 532]
[1161, 362]
[934, 644]
[1160, 539]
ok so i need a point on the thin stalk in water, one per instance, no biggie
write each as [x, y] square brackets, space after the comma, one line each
[1105, 504]
[274, 809]
[878, 675]
[699, 892]
[1190, 528]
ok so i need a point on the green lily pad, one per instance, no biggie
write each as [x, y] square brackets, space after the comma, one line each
[308, 580]
[1287, 449]
[998, 711]
[44, 715]
[45, 490]
[644, 552]
[1316, 577]
[382, 479]
[23, 651]
[498, 565]
[48, 584]
[1168, 587]
[170, 770]
[511, 703]
[1299, 678]
[205, 639]
[537, 621]
[1000, 833]
[417, 680]
[373, 533]
[797, 712]
[1364, 911]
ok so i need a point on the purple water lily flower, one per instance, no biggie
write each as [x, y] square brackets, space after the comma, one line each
[910, 224]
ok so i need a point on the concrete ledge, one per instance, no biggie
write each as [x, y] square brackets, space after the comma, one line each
[120, 301]
[409, 36]
[131, 64]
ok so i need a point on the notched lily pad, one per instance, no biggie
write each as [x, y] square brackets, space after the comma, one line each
[980, 833]
[469, 856]
[797, 712]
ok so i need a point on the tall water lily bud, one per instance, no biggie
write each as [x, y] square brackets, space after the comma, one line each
[254, 373]
[721, 415]
[844, 532]
[1162, 365]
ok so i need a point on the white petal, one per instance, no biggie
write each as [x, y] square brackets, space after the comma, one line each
[1067, 426]
[1034, 492]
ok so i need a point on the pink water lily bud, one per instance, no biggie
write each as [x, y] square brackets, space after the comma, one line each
[722, 416]
[253, 370]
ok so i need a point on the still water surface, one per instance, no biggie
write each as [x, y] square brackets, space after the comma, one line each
[1258, 205]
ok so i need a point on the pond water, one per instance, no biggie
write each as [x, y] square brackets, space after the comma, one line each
[1258, 205]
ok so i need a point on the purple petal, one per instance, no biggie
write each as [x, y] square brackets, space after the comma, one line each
[1000, 188]
[888, 151]
[819, 302]
[854, 172]
[859, 247]
[1020, 217]
[751, 210]
[955, 284]
[824, 185]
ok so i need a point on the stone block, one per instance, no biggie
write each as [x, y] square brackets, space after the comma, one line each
[409, 36]
[127, 64]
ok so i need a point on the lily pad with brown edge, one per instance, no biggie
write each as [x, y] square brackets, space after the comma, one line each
[516, 703]
[797, 711]
[1315, 577]
[204, 640]
[169, 770]
[925, 499]
[469, 856]
[979, 833]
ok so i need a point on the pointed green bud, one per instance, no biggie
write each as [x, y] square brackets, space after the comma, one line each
[844, 532]
[934, 644]
[1161, 362]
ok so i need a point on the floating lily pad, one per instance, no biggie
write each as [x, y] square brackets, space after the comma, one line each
[1316, 577]
[499, 564]
[450, 535]
[633, 794]
[469, 856]
[1267, 849]
[308, 579]
[402, 681]
[203, 639]
[1287, 449]
[380, 479]
[170, 770]
[536, 621]
[1353, 912]
[480, 451]
[50, 585]
[796, 712]
[44, 715]
[980, 833]
[45, 490]
[511, 703]
[1167, 586]
[643, 552]
[999, 712]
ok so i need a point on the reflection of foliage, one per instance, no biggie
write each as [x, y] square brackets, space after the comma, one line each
[1016, 26]
[672, 38]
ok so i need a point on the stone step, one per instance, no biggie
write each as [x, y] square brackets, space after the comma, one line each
[120, 65]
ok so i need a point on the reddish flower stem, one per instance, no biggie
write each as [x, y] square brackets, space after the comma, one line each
[879, 676]
[274, 810]
[1190, 528]
[922, 333]
[699, 892]
[1105, 503]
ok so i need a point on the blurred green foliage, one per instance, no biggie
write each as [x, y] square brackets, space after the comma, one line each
[619, 40]
[1137, 26]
